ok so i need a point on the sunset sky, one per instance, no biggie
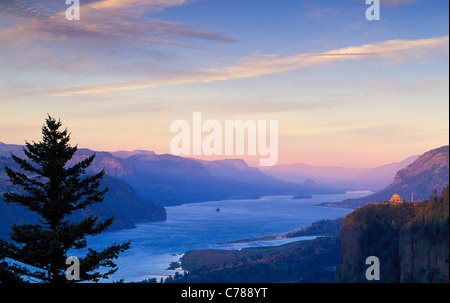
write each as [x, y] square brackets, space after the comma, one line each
[346, 91]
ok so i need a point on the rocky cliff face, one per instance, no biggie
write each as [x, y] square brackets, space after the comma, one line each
[422, 260]
[411, 241]
[350, 269]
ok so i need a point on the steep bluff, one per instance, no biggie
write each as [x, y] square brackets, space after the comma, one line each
[411, 241]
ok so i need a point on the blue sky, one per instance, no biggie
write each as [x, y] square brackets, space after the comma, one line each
[346, 91]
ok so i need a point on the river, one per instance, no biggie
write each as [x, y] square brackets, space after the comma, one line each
[154, 245]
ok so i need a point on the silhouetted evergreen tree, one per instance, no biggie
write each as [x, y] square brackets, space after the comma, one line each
[53, 190]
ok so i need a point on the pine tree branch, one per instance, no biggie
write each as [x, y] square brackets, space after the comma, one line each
[27, 201]
[25, 165]
[95, 259]
[23, 180]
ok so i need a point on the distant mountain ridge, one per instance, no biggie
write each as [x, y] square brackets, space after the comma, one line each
[125, 154]
[172, 180]
[7, 149]
[238, 169]
[340, 177]
[417, 181]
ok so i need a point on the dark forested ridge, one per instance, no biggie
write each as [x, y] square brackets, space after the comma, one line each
[325, 227]
[310, 261]
[411, 241]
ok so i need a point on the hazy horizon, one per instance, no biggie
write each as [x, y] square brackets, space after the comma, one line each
[251, 163]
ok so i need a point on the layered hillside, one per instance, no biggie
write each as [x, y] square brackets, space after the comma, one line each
[411, 241]
[415, 182]
[121, 201]
[172, 180]
[169, 180]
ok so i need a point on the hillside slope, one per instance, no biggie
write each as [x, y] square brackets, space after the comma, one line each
[169, 180]
[121, 201]
[172, 180]
[416, 181]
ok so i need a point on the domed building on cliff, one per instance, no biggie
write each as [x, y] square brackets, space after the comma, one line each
[396, 199]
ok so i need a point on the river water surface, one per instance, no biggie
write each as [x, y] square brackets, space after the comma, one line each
[155, 245]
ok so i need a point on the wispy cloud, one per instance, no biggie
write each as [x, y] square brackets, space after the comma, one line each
[398, 3]
[120, 4]
[105, 20]
[392, 51]
[404, 48]
[21, 9]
